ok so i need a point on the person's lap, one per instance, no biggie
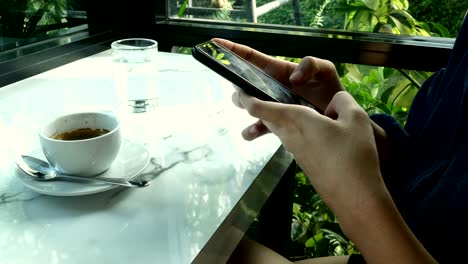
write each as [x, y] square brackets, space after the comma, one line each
[249, 251]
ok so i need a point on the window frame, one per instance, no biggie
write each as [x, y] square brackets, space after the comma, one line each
[405, 52]
[339, 46]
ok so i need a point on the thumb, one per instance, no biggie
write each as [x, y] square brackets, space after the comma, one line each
[342, 106]
[263, 110]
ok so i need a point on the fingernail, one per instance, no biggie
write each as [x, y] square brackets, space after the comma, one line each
[296, 76]
[253, 131]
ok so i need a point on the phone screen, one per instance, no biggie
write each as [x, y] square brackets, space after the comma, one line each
[270, 88]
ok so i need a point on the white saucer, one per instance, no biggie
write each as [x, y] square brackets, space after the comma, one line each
[131, 161]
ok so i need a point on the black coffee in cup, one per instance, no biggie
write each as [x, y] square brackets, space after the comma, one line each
[81, 133]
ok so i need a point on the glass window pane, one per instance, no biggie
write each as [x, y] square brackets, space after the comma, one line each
[409, 17]
[27, 21]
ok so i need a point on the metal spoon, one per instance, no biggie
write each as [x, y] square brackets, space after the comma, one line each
[43, 171]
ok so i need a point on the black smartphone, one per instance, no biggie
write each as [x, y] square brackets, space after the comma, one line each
[252, 80]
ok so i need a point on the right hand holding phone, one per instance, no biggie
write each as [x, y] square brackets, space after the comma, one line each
[336, 150]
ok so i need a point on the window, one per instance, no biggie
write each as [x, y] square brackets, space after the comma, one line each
[417, 17]
[373, 32]
[391, 33]
[26, 22]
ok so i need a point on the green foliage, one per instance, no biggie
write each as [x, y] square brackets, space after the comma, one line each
[383, 90]
[223, 9]
[385, 16]
[443, 18]
[448, 13]
[319, 18]
[315, 231]
[182, 9]
[26, 18]
[224, 12]
[283, 15]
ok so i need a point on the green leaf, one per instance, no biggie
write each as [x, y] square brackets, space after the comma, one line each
[357, 4]
[322, 248]
[441, 30]
[226, 62]
[405, 4]
[405, 96]
[398, 4]
[296, 208]
[371, 4]
[381, 13]
[298, 229]
[353, 73]
[388, 72]
[419, 77]
[182, 9]
[386, 94]
[352, 87]
[333, 227]
[313, 241]
[403, 21]
[335, 235]
[376, 75]
[383, 107]
[423, 29]
[316, 200]
[362, 18]
[402, 28]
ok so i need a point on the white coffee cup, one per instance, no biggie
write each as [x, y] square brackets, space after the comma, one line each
[78, 156]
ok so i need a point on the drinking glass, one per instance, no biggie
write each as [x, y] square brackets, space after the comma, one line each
[135, 63]
[136, 74]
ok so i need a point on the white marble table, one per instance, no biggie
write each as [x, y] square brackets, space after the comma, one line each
[207, 183]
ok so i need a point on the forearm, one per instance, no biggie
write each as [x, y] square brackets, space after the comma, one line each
[381, 234]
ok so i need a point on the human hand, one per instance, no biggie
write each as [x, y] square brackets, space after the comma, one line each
[336, 150]
[338, 153]
[314, 79]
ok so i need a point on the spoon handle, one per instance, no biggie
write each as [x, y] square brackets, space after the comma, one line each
[116, 181]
